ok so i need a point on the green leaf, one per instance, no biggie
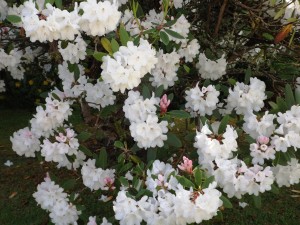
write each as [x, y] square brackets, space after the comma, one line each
[186, 68]
[107, 45]
[173, 140]
[223, 124]
[85, 150]
[268, 36]
[124, 181]
[170, 23]
[13, 18]
[289, 96]
[99, 55]
[297, 96]
[51, 2]
[198, 176]
[135, 159]
[179, 114]
[58, 3]
[279, 13]
[83, 136]
[248, 74]
[159, 91]
[185, 182]
[68, 184]
[164, 37]
[119, 144]
[275, 189]
[207, 182]
[124, 36]
[174, 34]
[108, 111]
[226, 202]
[102, 159]
[146, 92]
[151, 154]
[114, 45]
[126, 167]
[282, 105]
[257, 201]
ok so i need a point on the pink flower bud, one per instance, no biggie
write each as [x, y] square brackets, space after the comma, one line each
[61, 138]
[186, 165]
[164, 103]
[263, 140]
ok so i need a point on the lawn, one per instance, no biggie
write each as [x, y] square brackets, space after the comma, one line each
[18, 182]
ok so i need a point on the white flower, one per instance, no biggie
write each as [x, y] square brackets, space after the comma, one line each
[181, 27]
[202, 101]
[8, 163]
[97, 178]
[99, 18]
[149, 133]
[247, 98]
[73, 52]
[209, 69]
[165, 71]
[25, 142]
[128, 65]
[287, 175]
[99, 95]
[189, 50]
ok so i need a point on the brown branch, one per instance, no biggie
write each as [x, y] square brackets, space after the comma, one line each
[246, 7]
[220, 17]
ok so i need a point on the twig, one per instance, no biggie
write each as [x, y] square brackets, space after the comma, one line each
[220, 16]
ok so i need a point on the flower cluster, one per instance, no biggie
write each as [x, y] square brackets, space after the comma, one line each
[2, 86]
[73, 52]
[97, 178]
[145, 128]
[128, 65]
[247, 98]
[209, 69]
[52, 198]
[66, 145]
[287, 175]
[99, 18]
[179, 207]
[12, 62]
[201, 102]
[165, 71]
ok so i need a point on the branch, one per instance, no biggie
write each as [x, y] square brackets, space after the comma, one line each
[220, 16]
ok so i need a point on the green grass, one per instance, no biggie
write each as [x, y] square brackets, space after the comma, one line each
[23, 177]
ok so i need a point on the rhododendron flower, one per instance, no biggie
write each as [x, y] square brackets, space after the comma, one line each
[164, 103]
[186, 165]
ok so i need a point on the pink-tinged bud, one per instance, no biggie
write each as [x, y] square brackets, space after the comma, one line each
[109, 182]
[61, 138]
[70, 133]
[164, 103]
[263, 140]
[186, 165]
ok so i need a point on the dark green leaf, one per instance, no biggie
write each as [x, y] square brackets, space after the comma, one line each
[275, 189]
[164, 37]
[124, 36]
[151, 154]
[85, 150]
[102, 159]
[198, 176]
[257, 201]
[268, 36]
[226, 202]
[119, 144]
[69, 184]
[174, 34]
[173, 140]
[207, 182]
[179, 114]
[114, 45]
[99, 55]
[223, 124]
[107, 45]
[159, 91]
[146, 92]
[289, 96]
[58, 3]
[248, 74]
[124, 181]
[83, 136]
[126, 167]
[185, 182]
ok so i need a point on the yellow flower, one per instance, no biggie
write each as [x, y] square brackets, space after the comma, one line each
[30, 82]
[18, 84]
[37, 100]
[45, 82]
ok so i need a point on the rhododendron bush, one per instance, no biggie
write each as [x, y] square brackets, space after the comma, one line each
[184, 107]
